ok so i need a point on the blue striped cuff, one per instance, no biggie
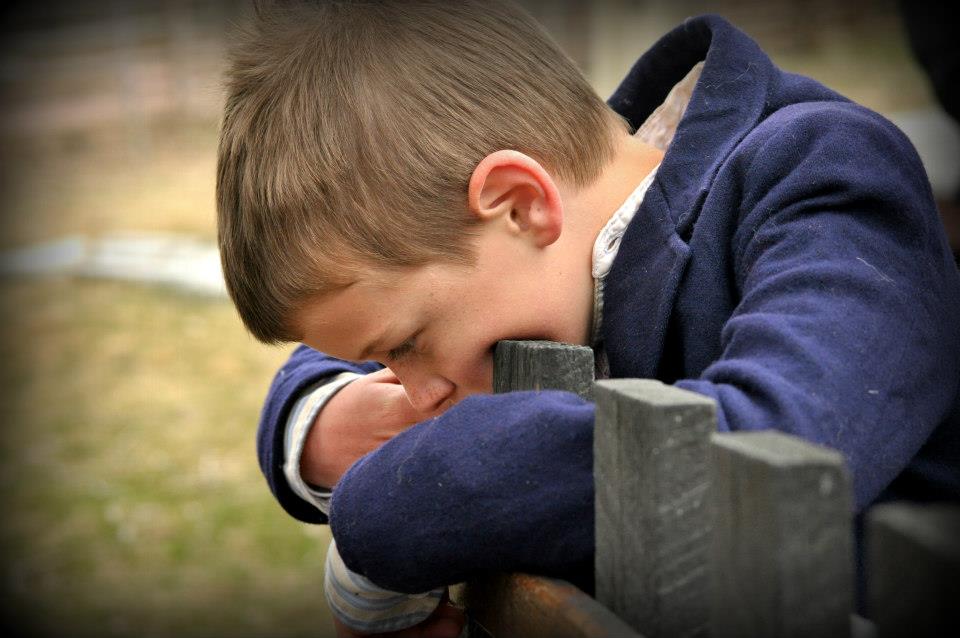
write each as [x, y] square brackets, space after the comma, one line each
[364, 607]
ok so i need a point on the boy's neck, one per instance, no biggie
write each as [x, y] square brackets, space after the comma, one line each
[590, 208]
[585, 212]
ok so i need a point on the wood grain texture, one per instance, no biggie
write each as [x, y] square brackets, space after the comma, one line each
[651, 445]
[543, 365]
[783, 545]
[914, 569]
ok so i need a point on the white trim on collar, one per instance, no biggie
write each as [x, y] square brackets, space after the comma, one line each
[608, 241]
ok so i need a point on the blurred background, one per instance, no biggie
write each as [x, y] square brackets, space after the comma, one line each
[132, 500]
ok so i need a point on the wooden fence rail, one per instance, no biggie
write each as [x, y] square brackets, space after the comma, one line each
[700, 533]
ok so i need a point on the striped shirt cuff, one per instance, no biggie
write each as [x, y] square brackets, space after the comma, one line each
[368, 609]
[301, 419]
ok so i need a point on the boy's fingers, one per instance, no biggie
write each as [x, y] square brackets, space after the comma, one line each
[401, 408]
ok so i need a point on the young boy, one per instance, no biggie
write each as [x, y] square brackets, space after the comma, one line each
[403, 184]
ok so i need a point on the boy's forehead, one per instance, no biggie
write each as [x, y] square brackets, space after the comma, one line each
[374, 300]
[381, 298]
[358, 300]
[340, 322]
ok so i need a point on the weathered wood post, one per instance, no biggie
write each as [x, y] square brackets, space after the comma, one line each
[913, 569]
[521, 605]
[651, 446]
[543, 365]
[782, 549]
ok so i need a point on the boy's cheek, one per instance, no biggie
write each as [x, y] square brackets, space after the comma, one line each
[477, 380]
[485, 374]
[482, 371]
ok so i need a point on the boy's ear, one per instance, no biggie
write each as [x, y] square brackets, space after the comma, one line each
[514, 187]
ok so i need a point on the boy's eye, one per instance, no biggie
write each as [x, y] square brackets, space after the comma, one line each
[402, 350]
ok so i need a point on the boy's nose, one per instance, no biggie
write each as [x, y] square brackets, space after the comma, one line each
[428, 393]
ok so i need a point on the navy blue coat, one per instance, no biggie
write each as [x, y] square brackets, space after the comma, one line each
[788, 261]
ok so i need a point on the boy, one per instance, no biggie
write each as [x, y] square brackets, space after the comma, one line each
[411, 182]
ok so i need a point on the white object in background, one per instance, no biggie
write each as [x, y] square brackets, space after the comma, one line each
[937, 138]
[181, 261]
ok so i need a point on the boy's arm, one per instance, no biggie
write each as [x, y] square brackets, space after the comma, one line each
[846, 330]
[357, 603]
[496, 483]
[303, 371]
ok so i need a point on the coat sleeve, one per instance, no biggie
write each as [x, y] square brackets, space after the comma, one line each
[845, 332]
[497, 483]
[303, 370]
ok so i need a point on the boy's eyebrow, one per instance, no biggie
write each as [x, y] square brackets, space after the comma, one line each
[371, 347]
[377, 343]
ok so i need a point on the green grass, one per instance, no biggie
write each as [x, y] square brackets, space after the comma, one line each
[133, 505]
[132, 500]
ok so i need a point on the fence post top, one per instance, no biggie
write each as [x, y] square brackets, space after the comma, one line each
[777, 448]
[653, 392]
[536, 344]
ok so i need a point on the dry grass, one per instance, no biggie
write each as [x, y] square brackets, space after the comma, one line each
[96, 181]
[133, 505]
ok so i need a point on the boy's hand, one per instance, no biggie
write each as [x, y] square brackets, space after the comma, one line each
[366, 413]
[446, 621]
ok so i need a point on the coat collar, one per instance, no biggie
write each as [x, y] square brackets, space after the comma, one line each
[727, 103]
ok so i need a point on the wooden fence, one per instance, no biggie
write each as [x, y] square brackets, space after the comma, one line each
[700, 533]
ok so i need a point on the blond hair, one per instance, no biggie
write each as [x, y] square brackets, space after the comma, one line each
[351, 129]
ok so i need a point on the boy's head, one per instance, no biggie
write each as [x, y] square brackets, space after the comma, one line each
[352, 131]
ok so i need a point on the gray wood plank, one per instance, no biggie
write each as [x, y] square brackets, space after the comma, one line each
[782, 546]
[543, 365]
[914, 569]
[651, 445]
